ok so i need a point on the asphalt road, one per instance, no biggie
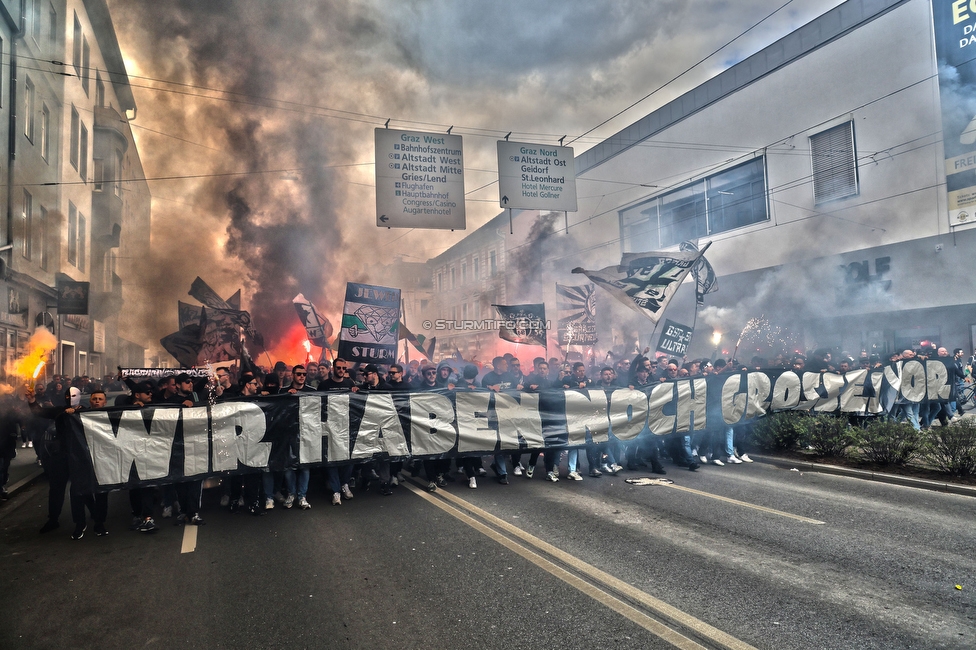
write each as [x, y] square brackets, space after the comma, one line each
[740, 556]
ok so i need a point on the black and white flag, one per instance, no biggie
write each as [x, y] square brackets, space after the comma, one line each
[646, 282]
[705, 280]
[524, 324]
[576, 311]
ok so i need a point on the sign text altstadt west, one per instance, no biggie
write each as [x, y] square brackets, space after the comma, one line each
[419, 180]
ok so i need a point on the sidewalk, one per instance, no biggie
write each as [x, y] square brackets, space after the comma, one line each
[891, 479]
[24, 470]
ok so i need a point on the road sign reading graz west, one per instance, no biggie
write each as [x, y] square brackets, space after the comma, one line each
[536, 176]
[419, 180]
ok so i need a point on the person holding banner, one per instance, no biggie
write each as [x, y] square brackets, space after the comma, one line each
[579, 380]
[55, 458]
[296, 482]
[339, 476]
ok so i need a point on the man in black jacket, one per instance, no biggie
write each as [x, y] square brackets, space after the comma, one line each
[55, 459]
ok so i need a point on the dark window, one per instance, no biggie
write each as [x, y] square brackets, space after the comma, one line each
[834, 163]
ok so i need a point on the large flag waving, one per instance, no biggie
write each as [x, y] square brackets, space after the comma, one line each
[317, 327]
[576, 311]
[646, 282]
[523, 323]
[705, 280]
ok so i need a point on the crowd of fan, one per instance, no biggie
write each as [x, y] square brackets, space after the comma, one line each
[260, 492]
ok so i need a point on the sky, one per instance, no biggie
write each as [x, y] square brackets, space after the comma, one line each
[264, 112]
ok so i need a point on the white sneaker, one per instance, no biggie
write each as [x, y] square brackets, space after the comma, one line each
[733, 460]
[394, 482]
[704, 460]
[574, 476]
[745, 458]
[336, 499]
[269, 504]
[289, 501]
[30, 443]
[473, 483]
[225, 501]
[304, 504]
[346, 492]
[518, 470]
[716, 461]
[167, 512]
[617, 468]
[23, 445]
[552, 477]
[606, 469]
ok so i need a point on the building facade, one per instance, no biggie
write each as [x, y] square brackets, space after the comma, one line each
[77, 203]
[815, 168]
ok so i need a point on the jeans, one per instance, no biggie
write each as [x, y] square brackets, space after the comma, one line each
[299, 487]
[338, 476]
[722, 443]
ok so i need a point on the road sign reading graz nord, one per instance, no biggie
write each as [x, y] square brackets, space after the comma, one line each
[536, 176]
[419, 180]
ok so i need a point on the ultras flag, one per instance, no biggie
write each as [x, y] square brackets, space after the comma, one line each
[318, 329]
[525, 324]
[646, 282]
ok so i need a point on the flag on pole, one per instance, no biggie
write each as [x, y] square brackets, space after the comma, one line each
[184, 345]
[318, 329]
[418, 341]
[576, 313]
[646, 282]
[705, 279]
[370, 324]
[524, 324]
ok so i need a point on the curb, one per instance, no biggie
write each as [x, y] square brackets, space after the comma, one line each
[891, 479]
[25, 482]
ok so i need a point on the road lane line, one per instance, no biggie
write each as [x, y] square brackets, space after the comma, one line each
[660, 607]
[745, 504]
[655, 627]
[189, 538]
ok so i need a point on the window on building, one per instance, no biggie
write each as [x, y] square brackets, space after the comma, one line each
[440, 281]
[834, 163]
[42, 233]
[36, 21]
[83, 154]
[85, 64]
[99, 90]
[476, 269]
[453, 279]
[53, 32]
[98, 174]
[492, 264]
[730, 199]
[464, 273]
[82, 241]
[75, 133]
[28, 217]
[29, 108]
[477, 310]
[118, 172]
[72, 234]
[76, 46]
[45, 131]
[464, 311]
